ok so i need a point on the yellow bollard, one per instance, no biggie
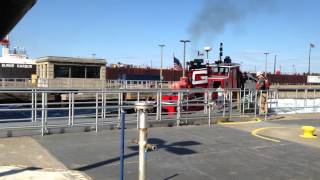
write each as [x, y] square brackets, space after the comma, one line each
[308, 132]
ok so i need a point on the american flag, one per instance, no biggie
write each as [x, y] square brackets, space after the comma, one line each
[176, 64]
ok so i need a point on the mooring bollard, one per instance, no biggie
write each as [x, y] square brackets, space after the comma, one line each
[308, 132]
[142, 110]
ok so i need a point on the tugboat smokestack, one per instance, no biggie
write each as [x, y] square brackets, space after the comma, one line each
[221, 51]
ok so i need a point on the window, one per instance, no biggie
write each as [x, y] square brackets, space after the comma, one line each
[78, 72]
[93, 72]
[221, 70]
[73, 71]
[61, 71]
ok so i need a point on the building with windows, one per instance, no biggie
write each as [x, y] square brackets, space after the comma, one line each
[71, 72]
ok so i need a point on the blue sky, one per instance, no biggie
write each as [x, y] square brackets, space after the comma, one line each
[129, 31]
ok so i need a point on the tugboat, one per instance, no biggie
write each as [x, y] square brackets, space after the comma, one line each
[221, 74]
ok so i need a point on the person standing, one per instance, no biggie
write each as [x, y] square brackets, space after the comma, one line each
[262, 86]
[220, 92]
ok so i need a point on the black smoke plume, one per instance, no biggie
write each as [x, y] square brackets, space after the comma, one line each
[216, 15]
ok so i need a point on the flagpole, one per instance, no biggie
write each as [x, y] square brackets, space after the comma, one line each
[174, 78]
[309, 60]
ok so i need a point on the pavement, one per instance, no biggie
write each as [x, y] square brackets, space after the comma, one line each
[269, 149]
[24, 158]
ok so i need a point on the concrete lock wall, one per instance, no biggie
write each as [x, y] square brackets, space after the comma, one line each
[75, 83]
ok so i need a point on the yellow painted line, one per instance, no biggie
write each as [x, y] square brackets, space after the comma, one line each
[256, 131]
[246, 122]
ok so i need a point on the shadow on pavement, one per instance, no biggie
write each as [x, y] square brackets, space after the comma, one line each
[178, 148]
[16, 171]
[170, 177]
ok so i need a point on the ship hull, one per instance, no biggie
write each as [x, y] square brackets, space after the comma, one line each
[17, 71]
[11, 12]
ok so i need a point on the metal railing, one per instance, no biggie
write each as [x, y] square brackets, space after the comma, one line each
[46, 109]
[15, 82]
[81, 83]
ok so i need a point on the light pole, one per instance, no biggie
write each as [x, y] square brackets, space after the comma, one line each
[274, 64]
[184, 56]
[207, 49]
[293, 69]
[311, 46]
[265, 66]
[161, 60]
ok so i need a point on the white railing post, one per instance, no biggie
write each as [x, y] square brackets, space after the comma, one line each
[69, 109]
[179, 109]
[97, 111]
[231, 104]
[296, 105]
[72, 108]
[35, 105]
[104, 95]
[43, 113]
[255, 103]
[205, 101]
[32, 105]
[160, 105]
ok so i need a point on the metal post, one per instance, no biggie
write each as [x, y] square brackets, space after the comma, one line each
[122, 125]
[104, 104]
[138, 100]
[32, 105]
[179, 109]
[35, 106]
[224, 105]
[266, 105]
[314, 98]
[305, 100]
[70, 109]
[260, 102]
[160, 104]
[277, 103]
[46, 112]
[205, 109]
[42, 113]
[296, 101]
[97, 110]
[209, 114]
[142, 108]
[187, 107]
[239, 97]
[255, 104]
[119, 108]
[244, 100]
[230, 108]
